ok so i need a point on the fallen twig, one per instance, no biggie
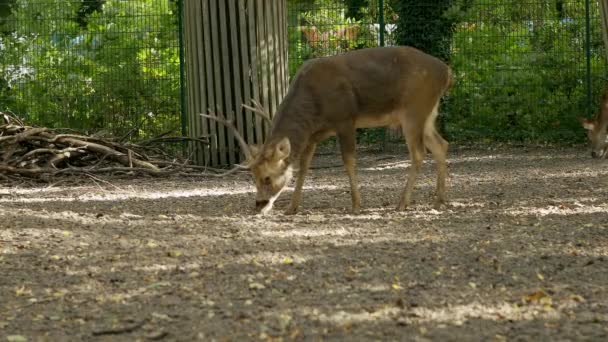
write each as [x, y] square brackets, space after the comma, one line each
[120, 330]
[42, 154]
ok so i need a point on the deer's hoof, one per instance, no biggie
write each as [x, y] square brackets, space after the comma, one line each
[440, 203]
[402, 206]
[291, 211]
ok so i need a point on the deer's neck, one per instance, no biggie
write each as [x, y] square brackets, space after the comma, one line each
[297, 139]
[295, 120]
[297, 129]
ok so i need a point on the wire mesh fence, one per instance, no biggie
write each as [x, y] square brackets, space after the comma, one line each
[526, 72]
[328, 27]
[92, 64]
[525, 69]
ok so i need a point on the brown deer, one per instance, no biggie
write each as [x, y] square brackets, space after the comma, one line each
[375, 87]
[597, 129]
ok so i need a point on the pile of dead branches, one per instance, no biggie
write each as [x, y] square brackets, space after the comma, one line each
[44, 153]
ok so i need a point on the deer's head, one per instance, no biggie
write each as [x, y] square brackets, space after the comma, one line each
[271, 171]
[596, 130]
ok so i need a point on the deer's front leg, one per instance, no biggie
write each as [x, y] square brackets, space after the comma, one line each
[305, 160]
[347, 147]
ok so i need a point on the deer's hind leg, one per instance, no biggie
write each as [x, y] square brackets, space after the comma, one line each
[347, 140]
[439, 149]
[414, 138]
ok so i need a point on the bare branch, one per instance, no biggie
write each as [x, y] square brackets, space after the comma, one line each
[104, 150]
[23, 135]
[201, 139]
[47, 150]
[42, 154]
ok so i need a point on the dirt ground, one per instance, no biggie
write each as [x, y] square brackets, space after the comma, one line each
[521, 254]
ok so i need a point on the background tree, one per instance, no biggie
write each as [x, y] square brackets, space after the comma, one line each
[429, 26]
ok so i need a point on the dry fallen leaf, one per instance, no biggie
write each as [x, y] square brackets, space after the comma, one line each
[537, 297]
[577, 298]
[22, 291]
[396, 285]
[174, 254]
[16, 338]
[256, 286]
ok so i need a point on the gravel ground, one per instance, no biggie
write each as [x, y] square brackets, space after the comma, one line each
[520, 254]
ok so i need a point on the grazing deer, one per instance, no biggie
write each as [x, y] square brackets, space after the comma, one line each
[375, 87]
[597, 129]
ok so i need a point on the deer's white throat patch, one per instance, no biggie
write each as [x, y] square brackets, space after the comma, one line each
[268, 207]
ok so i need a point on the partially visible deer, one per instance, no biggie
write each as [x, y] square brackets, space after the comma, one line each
[597, 129]
[375, 87]
[345, 35]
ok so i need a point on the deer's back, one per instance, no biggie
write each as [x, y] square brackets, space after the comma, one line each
[369, 86]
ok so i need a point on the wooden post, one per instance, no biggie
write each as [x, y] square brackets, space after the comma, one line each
[236, 50]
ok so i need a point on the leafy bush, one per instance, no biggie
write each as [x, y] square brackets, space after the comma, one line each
[522, 79]
[321, 28]
[118, 70]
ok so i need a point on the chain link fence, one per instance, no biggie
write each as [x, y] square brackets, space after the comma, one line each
[92, 65]
[525, 70]
[328, 27]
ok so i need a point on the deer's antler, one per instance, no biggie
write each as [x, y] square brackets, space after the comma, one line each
[258, 109]
[230, 125]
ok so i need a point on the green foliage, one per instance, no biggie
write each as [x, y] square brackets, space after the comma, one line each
[523, 79]
[429, 27]
[118, 71]
[519, 65]
[329, 27]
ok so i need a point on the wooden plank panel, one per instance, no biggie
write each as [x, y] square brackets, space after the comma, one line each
[285, 49]
[200, 93]
[271, 60]
[227, 79]
[236, 50]
[254, 45]
[263, 60]
[191, 69]
[246, 69]
[209, 81]
[217, 79]
[278, 20]
[236, 66]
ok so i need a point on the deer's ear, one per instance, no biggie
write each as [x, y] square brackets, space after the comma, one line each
[255, 150]
[587, 124]
[282, 149]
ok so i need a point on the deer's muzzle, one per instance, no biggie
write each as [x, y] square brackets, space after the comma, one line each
[260, 204]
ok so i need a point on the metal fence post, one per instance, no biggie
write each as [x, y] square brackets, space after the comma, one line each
[588, 55]
[381, 20]
[182, 63]
[381, 37]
